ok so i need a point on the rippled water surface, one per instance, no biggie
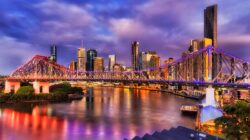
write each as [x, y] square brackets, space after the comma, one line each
[105, 113]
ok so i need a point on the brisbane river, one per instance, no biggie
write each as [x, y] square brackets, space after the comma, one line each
[105, 113]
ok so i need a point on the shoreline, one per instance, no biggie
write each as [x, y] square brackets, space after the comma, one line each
[71, 97]
[159, 90]
[36, 101]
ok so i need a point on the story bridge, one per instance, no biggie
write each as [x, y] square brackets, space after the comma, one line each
[205, 67]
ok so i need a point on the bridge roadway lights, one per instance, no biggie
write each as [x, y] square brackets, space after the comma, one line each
[11, 86]
[41, 87]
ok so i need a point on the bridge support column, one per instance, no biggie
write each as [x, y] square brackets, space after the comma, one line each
[11, 86]
[41, 87]
[210, 99]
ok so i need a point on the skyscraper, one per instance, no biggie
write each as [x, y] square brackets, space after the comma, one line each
[53, 53]
[194, 69]
[171, 69]
[135, 53]
[91, 54]
[73, 65]
[155, 61]
[210, 31]
[168, 70]
[112, 61]
[210, 24]
[98, 64]
[140, 61]
[81, 59]
[206, 62]
[146, 59]
[118, 68]
[194, 46]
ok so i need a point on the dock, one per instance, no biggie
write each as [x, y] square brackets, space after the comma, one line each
[185, 94]
[189, 109]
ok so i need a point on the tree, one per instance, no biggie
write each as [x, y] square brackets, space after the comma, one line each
[65, 88]
[25, 90]
[236, 121]
[23, 93]
[76, 90]
[60, 88]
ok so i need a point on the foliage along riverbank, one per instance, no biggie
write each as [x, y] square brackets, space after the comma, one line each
[59, 93]
[235, 122]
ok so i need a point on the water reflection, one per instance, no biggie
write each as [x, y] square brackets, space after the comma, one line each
[105, 113]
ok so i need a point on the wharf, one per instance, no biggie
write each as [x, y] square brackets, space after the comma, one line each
[185, 95]
[189, 108]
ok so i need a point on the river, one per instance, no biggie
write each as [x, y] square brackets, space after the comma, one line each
[106, 113]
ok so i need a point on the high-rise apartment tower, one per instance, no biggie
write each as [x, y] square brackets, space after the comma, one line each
[135, 55]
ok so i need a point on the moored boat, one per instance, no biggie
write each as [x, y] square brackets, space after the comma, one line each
[189, 109]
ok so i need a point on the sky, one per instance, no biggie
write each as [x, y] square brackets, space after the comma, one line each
[28, 28]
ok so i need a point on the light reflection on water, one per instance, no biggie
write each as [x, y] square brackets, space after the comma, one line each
[106, 113]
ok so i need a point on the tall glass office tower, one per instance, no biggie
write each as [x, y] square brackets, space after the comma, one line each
[91, 54]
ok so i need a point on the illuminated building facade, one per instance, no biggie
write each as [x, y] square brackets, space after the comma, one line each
[194, 46]
[81, 59]
[91, 54]
[73, 65]
[170, 69]
[155, 61]
[135, 55]
[112, 61]
[146, 60]
[53, 53]
[128, 69]
[140, 60]
[118, 68]
[210, 31]
[98, 64]
[210, 24]
[198, 67]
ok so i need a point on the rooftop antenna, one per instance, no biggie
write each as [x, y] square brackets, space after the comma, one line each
[82, 44]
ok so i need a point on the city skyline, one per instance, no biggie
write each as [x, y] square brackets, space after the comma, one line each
[16, 38]
[144, 69]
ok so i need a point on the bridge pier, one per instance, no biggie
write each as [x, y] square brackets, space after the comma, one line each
[210, 99]
[11, 86]
[41, 87]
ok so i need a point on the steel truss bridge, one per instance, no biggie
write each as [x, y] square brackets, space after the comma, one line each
[204, 67]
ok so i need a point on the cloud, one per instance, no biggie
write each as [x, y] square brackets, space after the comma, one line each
[127, 27]
[235, 39]
[240, 51]
[63, 22]
[16, 54]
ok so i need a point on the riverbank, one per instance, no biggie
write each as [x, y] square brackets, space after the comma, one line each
[62, 92]
[158, 88]
[8, 98]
